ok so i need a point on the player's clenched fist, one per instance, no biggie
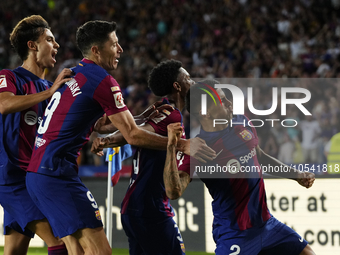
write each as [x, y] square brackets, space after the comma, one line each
[306, 179]
[98, 145]
[175, 131]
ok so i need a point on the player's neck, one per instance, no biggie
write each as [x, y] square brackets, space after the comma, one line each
[176, 101]
[34, 68]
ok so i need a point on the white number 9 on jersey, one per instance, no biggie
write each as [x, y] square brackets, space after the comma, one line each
[49, 112]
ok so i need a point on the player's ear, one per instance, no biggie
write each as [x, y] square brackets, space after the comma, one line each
[177, 86]
[95, 50]
[32, 45]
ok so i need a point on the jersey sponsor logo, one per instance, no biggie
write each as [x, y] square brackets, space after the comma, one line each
[301, 239]
[159, 118]
[98, 215]
[39, 142]
[3, 83]
[247, 157]
[233, 166]
[115, 88]
[246, 135]
[31, 118]
[119, 100]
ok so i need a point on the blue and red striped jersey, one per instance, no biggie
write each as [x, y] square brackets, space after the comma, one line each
[239, 202]
[146, 195]
[68, 120]
[18, 130]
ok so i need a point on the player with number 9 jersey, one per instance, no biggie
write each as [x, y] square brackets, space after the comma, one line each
[70, 116]
[64, 129]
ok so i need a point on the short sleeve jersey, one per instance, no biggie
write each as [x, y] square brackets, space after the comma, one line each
[18, 130]
[69, 117]
[240, 202]
[146, 195]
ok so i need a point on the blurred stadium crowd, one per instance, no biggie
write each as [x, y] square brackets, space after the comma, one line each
[216, 39]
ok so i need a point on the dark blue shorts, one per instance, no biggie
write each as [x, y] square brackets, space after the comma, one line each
[273, 238]
[19, 208]
[148, 237]
[65, 201]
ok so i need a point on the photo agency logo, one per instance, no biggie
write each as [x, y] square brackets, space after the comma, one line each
[238, 105]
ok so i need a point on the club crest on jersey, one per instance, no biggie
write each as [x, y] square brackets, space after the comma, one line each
[3, 83]
[98, 215]
[119, 100]
[246, 135]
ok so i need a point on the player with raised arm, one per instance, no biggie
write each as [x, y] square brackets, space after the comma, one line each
[242, 222]
[24, 95]
[147, 216]
[53, 180]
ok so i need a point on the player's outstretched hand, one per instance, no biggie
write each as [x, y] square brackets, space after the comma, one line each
[98, 145]
[199, 150]
[306, 179]
[152, 111]
[63, 77]
[175, 131]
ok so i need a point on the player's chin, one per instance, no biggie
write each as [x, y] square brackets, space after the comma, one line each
[50, 65]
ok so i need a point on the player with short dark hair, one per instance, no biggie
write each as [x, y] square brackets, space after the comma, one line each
[147, 216]
[242, 222]
[53, 180]
[24, 95]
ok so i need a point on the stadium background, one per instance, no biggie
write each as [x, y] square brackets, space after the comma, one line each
[230, 38]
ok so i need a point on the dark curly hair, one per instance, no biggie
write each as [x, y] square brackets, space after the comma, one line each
[93, 33]
[162, 77]
[28, 29]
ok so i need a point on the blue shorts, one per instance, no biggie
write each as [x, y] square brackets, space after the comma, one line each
[19, 208]
[65, 201]
[148, 237]
[273, 238]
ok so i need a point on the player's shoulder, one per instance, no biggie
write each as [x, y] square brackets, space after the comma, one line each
[7, 76]
[90, 70]
[7, 72]
[168, 116]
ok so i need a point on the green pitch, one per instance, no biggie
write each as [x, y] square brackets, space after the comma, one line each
[43, 251]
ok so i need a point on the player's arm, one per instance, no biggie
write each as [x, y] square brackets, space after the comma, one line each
[175, 182]
[10, 103]
[100, 143]
[130, 133]
[305, 179]
[105, 126]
